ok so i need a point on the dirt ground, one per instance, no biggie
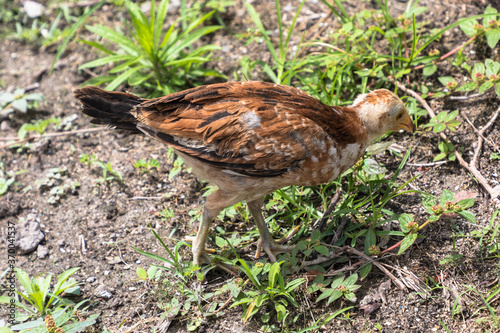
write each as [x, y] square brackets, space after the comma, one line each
[110, 218]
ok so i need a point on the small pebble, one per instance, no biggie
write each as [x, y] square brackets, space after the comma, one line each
[42, 251]
[105, 294]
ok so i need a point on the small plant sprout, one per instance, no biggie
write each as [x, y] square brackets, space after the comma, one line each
[147, 166]
[108, 173]
[18, 101]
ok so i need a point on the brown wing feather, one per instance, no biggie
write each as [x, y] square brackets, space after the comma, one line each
[254, 128]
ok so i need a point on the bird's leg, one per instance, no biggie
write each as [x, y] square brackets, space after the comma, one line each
[200, 255]
[270, 246]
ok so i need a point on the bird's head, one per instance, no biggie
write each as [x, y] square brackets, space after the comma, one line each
[381, 111]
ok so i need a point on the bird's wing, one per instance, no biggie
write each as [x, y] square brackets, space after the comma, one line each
[251, 128]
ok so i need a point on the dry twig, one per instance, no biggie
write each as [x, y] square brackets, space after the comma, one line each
[16, 140]
[379, 266]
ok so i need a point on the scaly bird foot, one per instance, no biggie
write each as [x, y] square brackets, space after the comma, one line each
[273, 247]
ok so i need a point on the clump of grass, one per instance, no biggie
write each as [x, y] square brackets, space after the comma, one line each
[160, 62]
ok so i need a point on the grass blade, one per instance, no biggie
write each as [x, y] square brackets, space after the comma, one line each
[72, 32]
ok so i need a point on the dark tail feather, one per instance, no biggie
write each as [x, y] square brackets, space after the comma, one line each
[109, 107]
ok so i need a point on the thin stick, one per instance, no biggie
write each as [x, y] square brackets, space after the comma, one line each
[427, 164]
[145, 198]
[478, 132]
[379, 266]
[53, 134]
[144, 321]
[464, 98]
[15, 140]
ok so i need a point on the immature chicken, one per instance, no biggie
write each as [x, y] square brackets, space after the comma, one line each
[251, 138]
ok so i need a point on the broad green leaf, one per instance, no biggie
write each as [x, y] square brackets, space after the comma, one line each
[485, 86]
[34, 97]
[478, 68]
[450, 116]
[439, 128]
[365, 269]
[468, 27]
[469, 86]
[429, 70]
[407, 242]
[334, 296]
[44, 284]
[20, 105]
[490, 10]
[492, 67]
[497, 89]
[325, 294]
[315, 235]
[492, 37]
[469, 216]
[24, 279]
[62, 278]
[322, 250]
[453, 123]
[141, 273]
[404, 219]
[4, 184]
[274, 272]
[446, 79]
[280, 311]
[371, 239]
[433, 218]
[442, 146]
[337, 281]
[442, 116]
[372, 167]
[446, 196]
[466, 203]
[350, 280]
[79, 326]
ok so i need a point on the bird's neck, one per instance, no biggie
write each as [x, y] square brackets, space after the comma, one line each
[347, 127]
[373, 125]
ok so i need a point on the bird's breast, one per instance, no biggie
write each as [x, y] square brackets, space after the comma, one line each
[326, 163]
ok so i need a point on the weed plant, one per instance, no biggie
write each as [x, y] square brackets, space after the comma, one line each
[159, 62]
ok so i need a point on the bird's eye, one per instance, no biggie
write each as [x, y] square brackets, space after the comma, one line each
[399, 115]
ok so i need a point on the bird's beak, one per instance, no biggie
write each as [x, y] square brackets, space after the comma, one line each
[406, 123]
